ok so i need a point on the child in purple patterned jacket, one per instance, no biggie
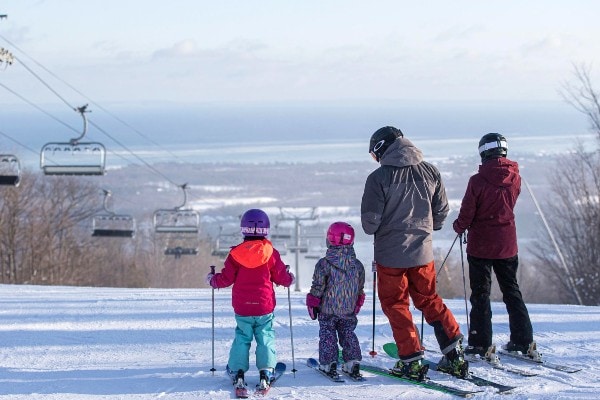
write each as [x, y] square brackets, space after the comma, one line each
[335, 298]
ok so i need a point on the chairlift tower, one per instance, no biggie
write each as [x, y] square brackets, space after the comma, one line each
[297, 215]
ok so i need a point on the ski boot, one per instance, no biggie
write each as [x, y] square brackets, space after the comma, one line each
[352, 369]
[454, 362]
[330, 369]
[264, 382]
[529, 350]
[488, 354]
[412, 370]
[239, 385]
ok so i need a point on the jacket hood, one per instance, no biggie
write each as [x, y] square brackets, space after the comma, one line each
[500, 172]
[252, 253]
[340, 257]
[402, 153]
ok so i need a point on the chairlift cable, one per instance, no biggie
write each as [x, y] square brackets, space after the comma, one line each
[117, 118]
[149, 166]
[39, 108]
[91, 123]
[39, 78]
[70, 106]
[19, 143]
[75, 130]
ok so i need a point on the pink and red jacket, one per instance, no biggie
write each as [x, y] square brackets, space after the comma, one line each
[252, 267]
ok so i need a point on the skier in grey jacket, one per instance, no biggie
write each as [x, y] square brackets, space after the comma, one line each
[403, 203]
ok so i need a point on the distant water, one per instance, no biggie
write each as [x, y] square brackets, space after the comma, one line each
[294, 132]
[308, 152]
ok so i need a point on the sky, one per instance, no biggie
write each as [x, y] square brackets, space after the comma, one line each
[73, 343]
[198, 51]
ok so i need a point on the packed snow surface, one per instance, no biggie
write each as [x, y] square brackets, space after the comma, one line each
[107, 343]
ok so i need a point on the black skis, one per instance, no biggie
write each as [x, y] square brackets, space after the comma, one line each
[558, 367]
[477, 380]
[425, 383]
[392, 350]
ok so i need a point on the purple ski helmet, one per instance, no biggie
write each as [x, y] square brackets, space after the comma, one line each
[255, 222]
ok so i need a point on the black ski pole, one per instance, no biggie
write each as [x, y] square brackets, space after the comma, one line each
[291, 328]
[436, 279]
[212, 271]
[373, 353]
[462, 261]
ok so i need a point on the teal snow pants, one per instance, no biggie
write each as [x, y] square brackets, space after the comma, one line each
[260, 328]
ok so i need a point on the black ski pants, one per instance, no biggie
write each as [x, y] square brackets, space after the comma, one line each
[480, 276]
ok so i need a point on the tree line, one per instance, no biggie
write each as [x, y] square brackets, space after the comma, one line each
[45, 239]
[45, 234]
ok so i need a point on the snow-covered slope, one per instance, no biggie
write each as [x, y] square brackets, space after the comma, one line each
[102, 343]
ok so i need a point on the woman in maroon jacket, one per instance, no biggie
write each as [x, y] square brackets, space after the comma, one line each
[487, 213]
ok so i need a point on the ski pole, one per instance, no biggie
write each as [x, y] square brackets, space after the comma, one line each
[462, 261]
[373, 353]
[212, 271]
[291, 328]
[436, 279]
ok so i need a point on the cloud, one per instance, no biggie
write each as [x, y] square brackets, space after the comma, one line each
[547, 45]
[184, 48]
[460, 33]
[237, 48]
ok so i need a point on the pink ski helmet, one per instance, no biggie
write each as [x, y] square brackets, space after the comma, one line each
[340, 233]
[255, 222]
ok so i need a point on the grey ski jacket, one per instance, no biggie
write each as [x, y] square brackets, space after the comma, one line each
[403, 202]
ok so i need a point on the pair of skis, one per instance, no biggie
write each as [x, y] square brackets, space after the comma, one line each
[570, 369]
[392, 350]
[241, 391]
[314, 364]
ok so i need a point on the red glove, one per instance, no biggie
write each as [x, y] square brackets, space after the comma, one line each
[359, 302]
[313, 303]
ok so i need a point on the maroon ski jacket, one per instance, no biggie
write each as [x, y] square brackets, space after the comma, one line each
[487, 210]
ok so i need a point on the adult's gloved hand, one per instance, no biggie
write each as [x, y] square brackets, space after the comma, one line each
[457, 228]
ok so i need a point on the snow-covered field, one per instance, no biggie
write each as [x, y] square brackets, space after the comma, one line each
[103, 343]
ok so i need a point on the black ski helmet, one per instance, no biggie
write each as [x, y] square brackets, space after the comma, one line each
[492, 145]
[382, 139]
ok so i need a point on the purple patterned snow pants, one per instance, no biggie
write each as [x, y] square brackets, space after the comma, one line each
[332, 328]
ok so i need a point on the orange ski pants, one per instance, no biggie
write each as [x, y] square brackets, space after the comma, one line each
[394, 287]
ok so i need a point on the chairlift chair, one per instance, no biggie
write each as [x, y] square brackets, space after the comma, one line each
[74, 157]
[10, 170]
[224, 243]
[181, 251]
[110, 224]
[178, 219]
